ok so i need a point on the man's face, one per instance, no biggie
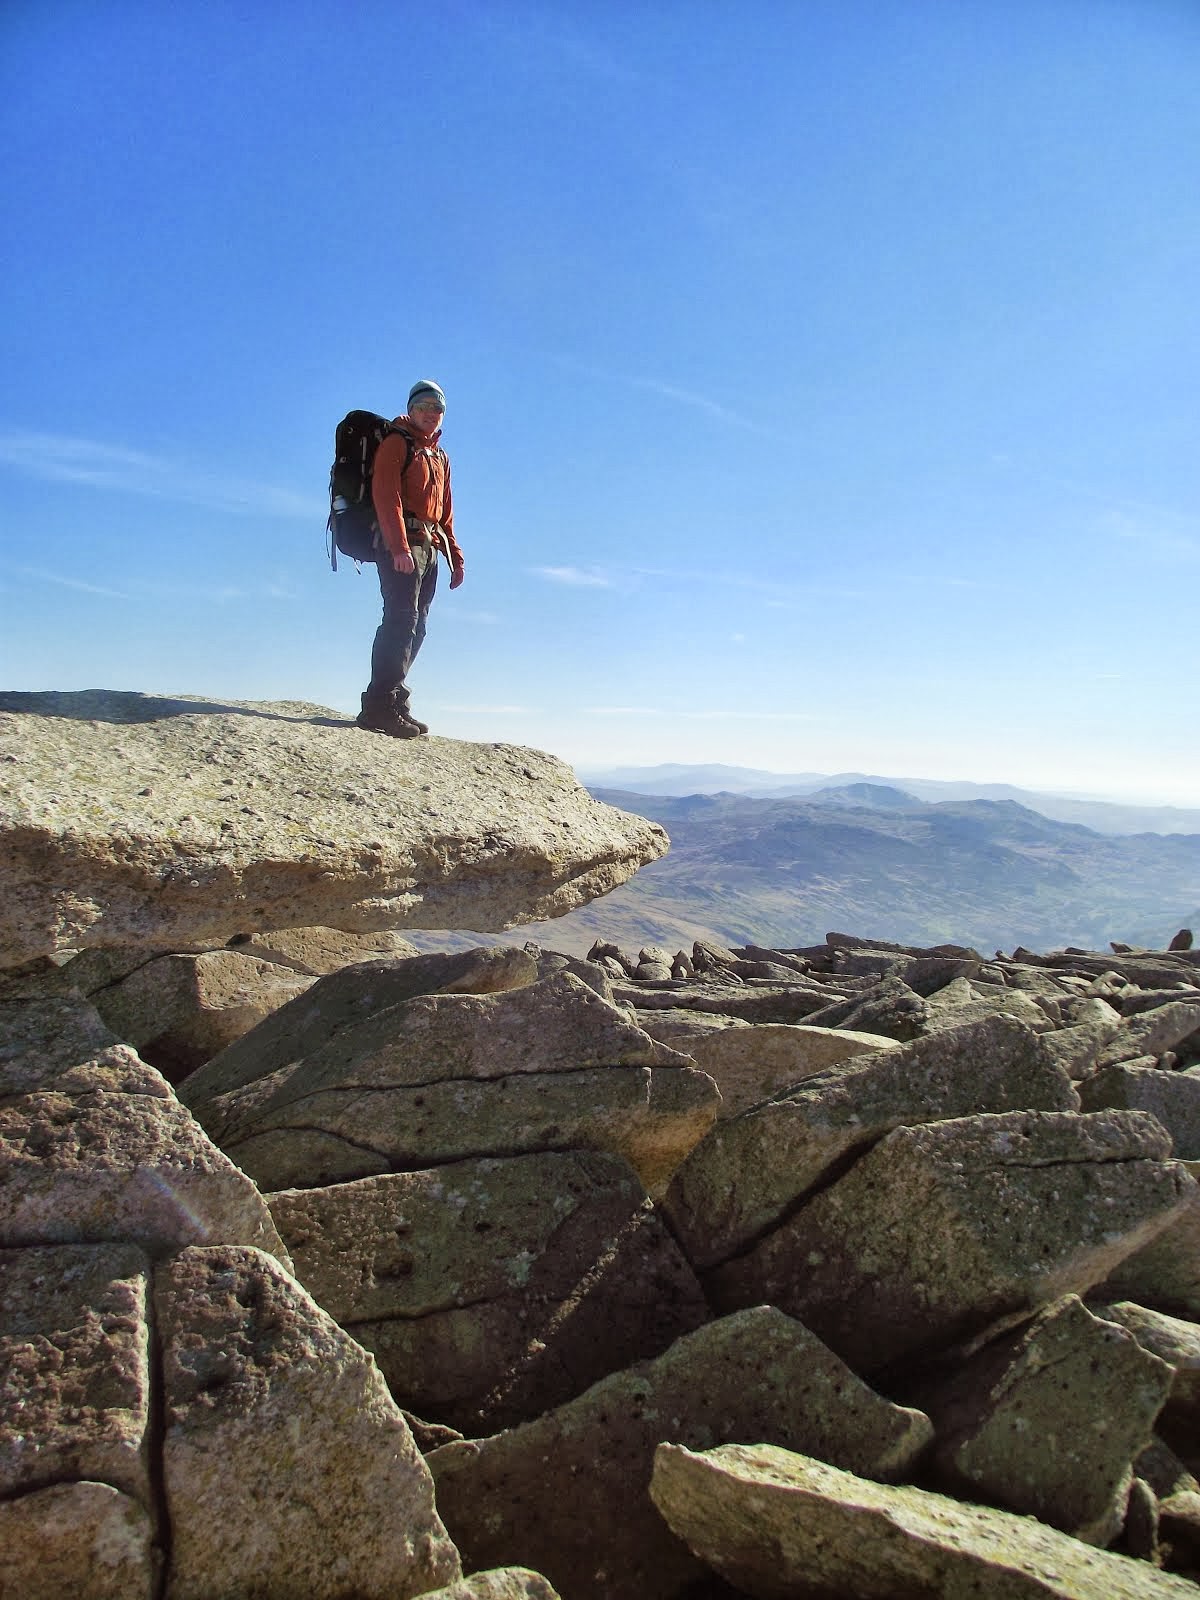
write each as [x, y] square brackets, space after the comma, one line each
[427, 415]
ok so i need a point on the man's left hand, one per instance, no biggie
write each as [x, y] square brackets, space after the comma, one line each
[456, 575]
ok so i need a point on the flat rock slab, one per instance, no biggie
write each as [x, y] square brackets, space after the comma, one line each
[567, 1493]
[493, 1290]
[751, 1170]
[135, 820]
[97, 1167]
[549, 1067]
[288, 1470]
[1049, 1420]
[1177, 1342]
[319, 951]
[943, 1229]
[779, 1525]
[74, 1368]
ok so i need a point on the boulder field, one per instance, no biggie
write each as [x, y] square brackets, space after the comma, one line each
[854, 1270]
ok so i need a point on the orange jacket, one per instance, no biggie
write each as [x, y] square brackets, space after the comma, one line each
[423, 491]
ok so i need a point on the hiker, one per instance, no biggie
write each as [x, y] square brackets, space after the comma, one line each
[410, 488]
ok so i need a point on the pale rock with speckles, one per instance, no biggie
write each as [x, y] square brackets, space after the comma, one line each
[134, 820]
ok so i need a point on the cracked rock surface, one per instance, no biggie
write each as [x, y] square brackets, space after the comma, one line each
[943, 1228]
[492, 1290]
[778, 1524]
[551, 1066]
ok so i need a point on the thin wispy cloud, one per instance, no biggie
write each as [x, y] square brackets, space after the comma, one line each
[99, 465]
[42, 576]
[687, 397]
[576, 577]
[670, 391]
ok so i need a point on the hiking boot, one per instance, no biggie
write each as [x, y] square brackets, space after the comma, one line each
[381, 716]
[400, 702]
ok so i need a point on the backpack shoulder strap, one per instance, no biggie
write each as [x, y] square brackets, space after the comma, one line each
[409, 446]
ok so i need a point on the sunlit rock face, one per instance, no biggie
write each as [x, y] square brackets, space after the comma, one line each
[128, 819]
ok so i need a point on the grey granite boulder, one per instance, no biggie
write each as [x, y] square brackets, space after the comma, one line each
[352, 995]
[1050, 1419]
[749, 1064]
[1150, 1033]
[1088, 1026]
[1165, 1272]
[60, 1042]
[75, 1396]
[961, 1001]
[178, 1010]
[130, 819]
[779, 1525]
[503, 1583]
[101, 1166]
[1172, 1097]
[943, 1229]
[1176, 1341]
[755, 1168]
[287, 1468]
[567, 1492]
[890, 1008]
[443, 1077]
[88, 1541]
[492, 1290]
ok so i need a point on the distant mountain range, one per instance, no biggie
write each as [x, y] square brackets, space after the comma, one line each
[876, 859]
[1103, 816]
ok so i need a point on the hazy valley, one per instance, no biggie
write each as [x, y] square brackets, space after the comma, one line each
[993, 873]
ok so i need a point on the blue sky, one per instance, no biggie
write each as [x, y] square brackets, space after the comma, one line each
[822, 377]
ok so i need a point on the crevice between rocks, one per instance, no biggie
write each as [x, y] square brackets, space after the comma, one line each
[156, 1423]
[427, 1164]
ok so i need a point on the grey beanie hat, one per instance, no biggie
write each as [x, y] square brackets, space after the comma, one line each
[426, 386]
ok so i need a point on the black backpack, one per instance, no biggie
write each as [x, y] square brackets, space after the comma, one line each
[352, 524]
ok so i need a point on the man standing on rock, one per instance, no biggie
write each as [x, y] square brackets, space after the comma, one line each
[410, 487]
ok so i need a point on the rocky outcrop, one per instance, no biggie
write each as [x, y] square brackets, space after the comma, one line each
[442, 1077]
[179, 1010]
[943, 1229]
[233, 1433]
[1096, 1394]
[777, 1524]
[134, 820]
[754, 1170]
[757, 1375]
[474, 1151]
[493, 1290]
